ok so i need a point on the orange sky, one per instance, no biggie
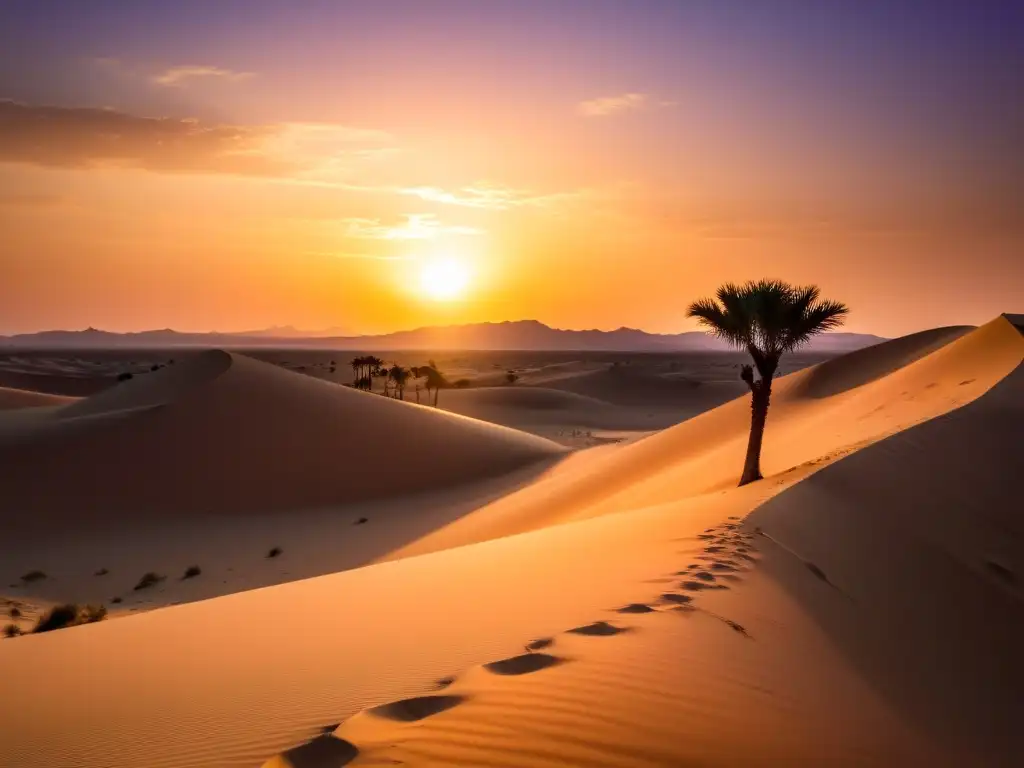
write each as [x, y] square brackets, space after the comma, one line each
[233, 180]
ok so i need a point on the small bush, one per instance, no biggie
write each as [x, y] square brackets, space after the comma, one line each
[149, 580]
[101, 572]
[155, 367]
[462, 384]
[361, 520]
[69, 615]
[126, 376]
[115, 600]
[58, 617]
[12, 630]
[511, 377]
[15, 612]
[31, 576]
[191, 572]
[275, 552]
[92, 613]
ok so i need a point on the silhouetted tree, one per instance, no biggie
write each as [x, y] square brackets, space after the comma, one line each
[399, 376]
[767, 318]
[433, 379]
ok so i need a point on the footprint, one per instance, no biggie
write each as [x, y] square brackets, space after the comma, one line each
[523, 664]
[672, 597]
[598, 629]
[416, 708]
[635, 608]
[704, 576]
[966, 382]
[723, 567]
[694, 586]
[322, 752]
[444, 682]
[540, 643]
[712, 550]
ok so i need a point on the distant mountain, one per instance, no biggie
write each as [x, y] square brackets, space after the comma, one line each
[509, 335]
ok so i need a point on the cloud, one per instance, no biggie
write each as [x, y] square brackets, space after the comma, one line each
[610, 105]
[485, 196]
[85, 137]
[417, 226]
[176, 76]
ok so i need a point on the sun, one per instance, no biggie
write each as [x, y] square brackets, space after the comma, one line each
[444, 279]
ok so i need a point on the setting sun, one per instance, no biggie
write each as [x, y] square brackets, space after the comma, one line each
[444, 279]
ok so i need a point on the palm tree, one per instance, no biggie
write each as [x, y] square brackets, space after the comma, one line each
[357, 370]
[434, 379]
[400, 376]
[767, 318]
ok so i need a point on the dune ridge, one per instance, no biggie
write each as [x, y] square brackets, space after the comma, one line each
[12, 399]
[225, 434]
[701, 455]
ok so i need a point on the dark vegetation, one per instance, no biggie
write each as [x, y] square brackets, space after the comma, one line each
[69, 615]
[275, 552]
[191, 572]
[149, 580]
[33, 576]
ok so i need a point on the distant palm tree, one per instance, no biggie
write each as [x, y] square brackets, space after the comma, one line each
[399, 376]
[358, 363]
[433, 379]
[767, 318]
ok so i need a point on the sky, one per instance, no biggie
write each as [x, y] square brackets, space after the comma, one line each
[241, 164]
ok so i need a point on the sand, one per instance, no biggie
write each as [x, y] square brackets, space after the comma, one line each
[12, 399]
[861, 605]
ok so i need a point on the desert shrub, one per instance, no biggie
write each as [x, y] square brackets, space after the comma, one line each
[12, 630]
[92, 613]
[69, 615]
[462, 384]
[115, 600]
[101, 572]
[31, 576]
[511, 377]
[192, 571]
[154, 367]
[148, 580]
[275, 552]
[15, 612]
[124, 376]
[58, 617]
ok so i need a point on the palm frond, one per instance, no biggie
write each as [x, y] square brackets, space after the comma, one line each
[719, 322]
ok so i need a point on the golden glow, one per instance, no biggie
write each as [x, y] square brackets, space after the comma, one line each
[444, 279]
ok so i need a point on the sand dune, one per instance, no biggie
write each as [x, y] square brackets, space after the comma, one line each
[11, 399]
[703, 455]
[224, 434]
[652, 626]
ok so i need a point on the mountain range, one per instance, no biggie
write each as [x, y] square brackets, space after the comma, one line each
[509, 335]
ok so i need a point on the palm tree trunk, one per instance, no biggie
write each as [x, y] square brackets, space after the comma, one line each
[761, 392]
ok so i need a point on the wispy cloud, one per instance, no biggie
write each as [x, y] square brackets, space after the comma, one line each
[78, 137]
[417, 226]
[485, 196]
[176, 76]
[610, 105]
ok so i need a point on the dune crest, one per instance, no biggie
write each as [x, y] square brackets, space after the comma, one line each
[13, 399]
[224, 434]
[930, 373]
